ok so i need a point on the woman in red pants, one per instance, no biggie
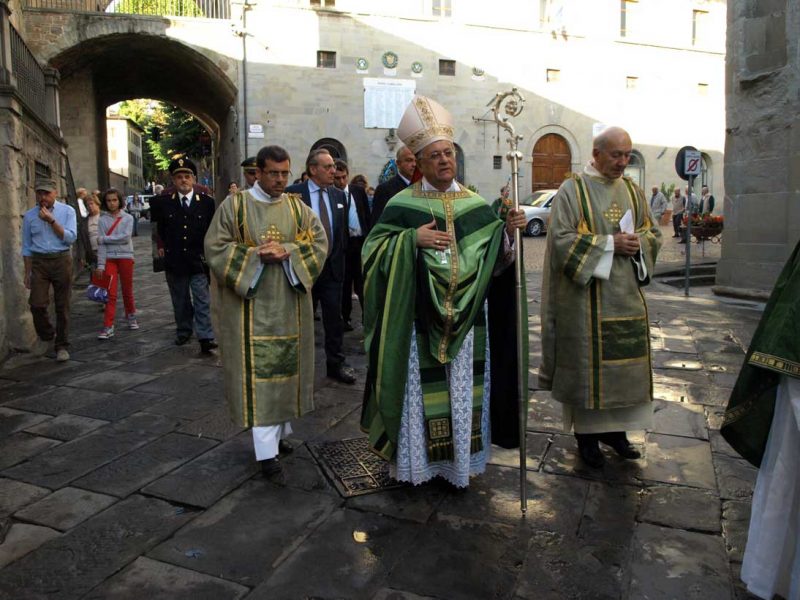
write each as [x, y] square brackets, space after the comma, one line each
[115, 259]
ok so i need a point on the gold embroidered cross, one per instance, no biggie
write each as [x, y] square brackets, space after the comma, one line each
[272, 233]
[614, 213]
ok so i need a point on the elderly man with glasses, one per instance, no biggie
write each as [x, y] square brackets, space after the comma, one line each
[266, 248]
[428, 263]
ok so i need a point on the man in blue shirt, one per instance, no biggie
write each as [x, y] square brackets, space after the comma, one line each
[48, 231]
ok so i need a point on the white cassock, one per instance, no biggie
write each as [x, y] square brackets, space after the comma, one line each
[771, 562]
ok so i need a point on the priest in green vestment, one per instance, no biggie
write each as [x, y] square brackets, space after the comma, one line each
[265, 248]
[428, 264]
[602, 245]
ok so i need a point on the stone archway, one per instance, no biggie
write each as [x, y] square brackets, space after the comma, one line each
[97, 72]
[552, 162]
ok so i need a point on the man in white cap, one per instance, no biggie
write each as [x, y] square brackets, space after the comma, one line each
[427, 265]
[48, 231]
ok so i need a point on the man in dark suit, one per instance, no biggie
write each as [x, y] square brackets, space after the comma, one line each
[183, 218]
[358, 228]
[406, 163]
[329, 204]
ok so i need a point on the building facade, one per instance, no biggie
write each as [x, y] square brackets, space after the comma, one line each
[124, 140]
[655, 67]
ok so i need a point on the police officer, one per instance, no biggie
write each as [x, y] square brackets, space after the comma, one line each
[183, 218]
[250, 171]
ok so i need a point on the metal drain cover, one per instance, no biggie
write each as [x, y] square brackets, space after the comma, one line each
[352, 467]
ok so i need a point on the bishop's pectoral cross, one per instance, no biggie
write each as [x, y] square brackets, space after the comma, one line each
[444, 255]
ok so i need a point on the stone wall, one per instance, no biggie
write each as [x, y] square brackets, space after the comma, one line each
[81, 129]
[24, 141]
[762, 149]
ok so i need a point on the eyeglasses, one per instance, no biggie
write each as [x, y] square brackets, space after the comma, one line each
[279, 174]
[329, 167]
[449, 153]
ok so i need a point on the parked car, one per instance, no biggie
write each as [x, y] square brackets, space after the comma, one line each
[145, 198]
[537, 211]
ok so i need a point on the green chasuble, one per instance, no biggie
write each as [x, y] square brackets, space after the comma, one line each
[774, 351]
[438, 294]
[595, 333]
[266, 322]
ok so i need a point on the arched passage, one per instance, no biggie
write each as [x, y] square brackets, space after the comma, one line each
[333, 146]
[552, 162]
[98, 72]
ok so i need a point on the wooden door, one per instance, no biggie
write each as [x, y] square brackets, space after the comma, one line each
[552, 162]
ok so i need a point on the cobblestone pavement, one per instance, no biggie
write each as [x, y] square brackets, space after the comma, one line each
[122, 477]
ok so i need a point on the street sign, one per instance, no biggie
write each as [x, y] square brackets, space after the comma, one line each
[683, 160]
[692, 162]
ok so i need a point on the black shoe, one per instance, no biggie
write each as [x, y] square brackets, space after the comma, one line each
[207, 345]
[342, 373]
[589, 450]
[271, 467]
[181, 339]
[285, 447]
[681, 241]
[619, 442]
[348, 326]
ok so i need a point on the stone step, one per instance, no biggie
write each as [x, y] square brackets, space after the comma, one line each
[694, 280]
[701, 269]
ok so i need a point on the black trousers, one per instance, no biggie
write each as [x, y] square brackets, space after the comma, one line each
[353, 277]
[328, 293]
[676, 223]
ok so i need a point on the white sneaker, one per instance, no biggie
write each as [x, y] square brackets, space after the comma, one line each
[132, 322]
[106, 333]
[62, 355]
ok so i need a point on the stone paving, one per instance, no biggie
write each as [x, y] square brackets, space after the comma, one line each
[121, 477]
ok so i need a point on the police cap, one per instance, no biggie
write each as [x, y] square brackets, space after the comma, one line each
[182, 165]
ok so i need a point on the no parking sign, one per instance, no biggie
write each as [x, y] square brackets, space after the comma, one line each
[688, 162]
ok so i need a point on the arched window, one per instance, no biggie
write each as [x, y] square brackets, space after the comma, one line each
[706, 171]
[461, 172]
[635, 169]
[333, 146]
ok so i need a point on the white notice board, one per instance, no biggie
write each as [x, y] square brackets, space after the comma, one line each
[385, 100]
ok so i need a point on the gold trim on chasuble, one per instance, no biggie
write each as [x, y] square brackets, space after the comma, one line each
[593, 306]
[447, 199]
[775, 363]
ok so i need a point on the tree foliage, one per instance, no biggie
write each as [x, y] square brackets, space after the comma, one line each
[172, 8]
[168, 131]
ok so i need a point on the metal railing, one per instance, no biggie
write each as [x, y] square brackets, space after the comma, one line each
[29, 74]
[201, 9]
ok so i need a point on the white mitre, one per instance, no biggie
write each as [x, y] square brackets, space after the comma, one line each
[425, 121]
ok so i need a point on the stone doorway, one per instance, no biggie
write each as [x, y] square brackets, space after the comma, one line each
[552, 162]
